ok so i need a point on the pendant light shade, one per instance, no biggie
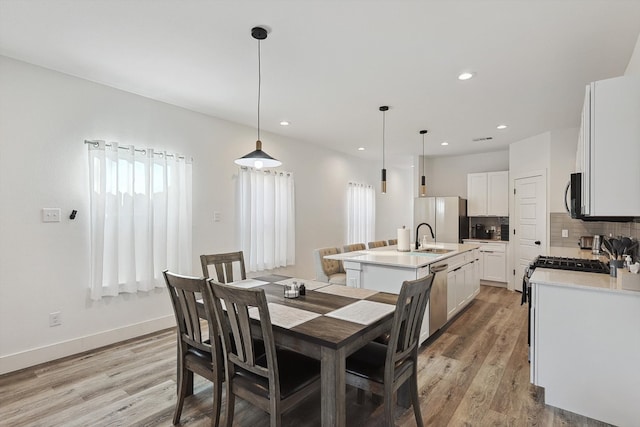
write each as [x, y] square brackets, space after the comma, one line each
[258, 158]
[384, 109]
[423, 179]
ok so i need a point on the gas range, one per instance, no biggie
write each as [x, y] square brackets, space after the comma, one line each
[573, 264]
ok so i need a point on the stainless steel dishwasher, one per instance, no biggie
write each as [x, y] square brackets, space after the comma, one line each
[438, 298]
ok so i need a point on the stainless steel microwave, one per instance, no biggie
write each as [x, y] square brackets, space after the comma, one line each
[574, 206]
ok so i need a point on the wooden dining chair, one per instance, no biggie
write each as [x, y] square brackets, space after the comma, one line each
[198, 352]
[275, 381]
[393, 242]
[354, 247]
[224, 266]
[382, 369]
[377, 244]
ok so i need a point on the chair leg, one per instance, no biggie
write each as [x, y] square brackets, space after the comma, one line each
[183, 378]
[415, 396]
[231, 403]
[217, 399]
[275, 414]
[388, 406]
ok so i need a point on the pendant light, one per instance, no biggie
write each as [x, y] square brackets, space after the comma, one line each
[384, 109]
[258, 158]
[423, 180]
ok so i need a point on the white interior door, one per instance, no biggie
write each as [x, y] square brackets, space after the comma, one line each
[529, 240]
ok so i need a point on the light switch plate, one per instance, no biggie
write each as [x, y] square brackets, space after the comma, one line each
[50, 214]
[217, 216]
[565, 233]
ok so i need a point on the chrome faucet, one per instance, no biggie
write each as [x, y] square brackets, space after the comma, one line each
[418, 228]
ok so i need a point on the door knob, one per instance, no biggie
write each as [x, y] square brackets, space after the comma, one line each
[537, 242]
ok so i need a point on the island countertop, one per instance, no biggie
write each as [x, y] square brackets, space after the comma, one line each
[390, 256]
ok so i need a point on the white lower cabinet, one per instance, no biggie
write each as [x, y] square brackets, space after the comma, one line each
[492, 260]
[463, 284]
[495, 266]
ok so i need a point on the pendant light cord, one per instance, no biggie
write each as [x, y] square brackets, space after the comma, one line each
[259, 85]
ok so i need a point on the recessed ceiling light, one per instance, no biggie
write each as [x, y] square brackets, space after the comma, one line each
[444, 143]
[360, 148]
[465, 76]
[501, 127]
[284, 123]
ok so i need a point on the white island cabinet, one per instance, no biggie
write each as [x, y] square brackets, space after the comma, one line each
[384, 269]
[585, 345]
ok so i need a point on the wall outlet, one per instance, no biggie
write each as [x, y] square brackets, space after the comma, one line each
[565, 233]
[217, 216]
[55, 319]
[50, 214]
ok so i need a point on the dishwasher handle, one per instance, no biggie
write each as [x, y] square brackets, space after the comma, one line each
[439, 268]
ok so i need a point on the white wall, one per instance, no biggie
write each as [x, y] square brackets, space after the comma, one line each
[634, 63]
[44, 118]
[447, 175]
[562, 159]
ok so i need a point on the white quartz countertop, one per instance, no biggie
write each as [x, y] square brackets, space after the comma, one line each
[389, 255]
[576, 279]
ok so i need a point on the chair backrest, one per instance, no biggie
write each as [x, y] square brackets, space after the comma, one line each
[407, 320]
[393, 242]
[354, 247]
[236, 325]
[184, 290]
[327, 267]
[224, 264]
[377, 244]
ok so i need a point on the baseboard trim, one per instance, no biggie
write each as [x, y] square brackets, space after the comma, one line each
[36, 356]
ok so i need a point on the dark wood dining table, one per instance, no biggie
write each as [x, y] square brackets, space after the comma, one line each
[327, 337]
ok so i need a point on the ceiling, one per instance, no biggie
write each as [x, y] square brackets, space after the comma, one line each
[328, 65]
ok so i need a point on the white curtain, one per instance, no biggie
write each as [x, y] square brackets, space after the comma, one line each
[267, 218]
[361, 213]
[140, 217]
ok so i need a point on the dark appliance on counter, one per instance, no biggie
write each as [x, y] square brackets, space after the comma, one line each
[480, 232]
[574, 206]
[556, 263]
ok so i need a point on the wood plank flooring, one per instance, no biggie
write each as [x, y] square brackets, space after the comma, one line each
[473, 373]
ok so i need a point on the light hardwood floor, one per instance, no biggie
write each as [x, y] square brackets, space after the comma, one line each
[473, 373]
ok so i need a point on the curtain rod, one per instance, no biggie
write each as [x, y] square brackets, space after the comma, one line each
[95, 143]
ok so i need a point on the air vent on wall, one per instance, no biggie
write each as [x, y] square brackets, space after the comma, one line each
[486, 138]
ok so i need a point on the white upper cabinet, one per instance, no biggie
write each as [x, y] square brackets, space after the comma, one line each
[488, 194]
[476, 194]
[609, 148]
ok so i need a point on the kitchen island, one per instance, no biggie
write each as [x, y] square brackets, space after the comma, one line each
[585, 338]
[384, 269]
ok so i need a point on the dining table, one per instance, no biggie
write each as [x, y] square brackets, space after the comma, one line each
[328, 323]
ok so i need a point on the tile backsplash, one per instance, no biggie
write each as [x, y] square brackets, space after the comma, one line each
[562, 221]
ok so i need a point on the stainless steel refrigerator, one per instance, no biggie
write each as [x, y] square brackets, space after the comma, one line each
[446, 215]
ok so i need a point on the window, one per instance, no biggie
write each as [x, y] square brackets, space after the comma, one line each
[267, 218]
[140, 217]
[361, 213]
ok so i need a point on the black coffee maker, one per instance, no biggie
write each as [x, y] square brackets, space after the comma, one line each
[480, 231]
